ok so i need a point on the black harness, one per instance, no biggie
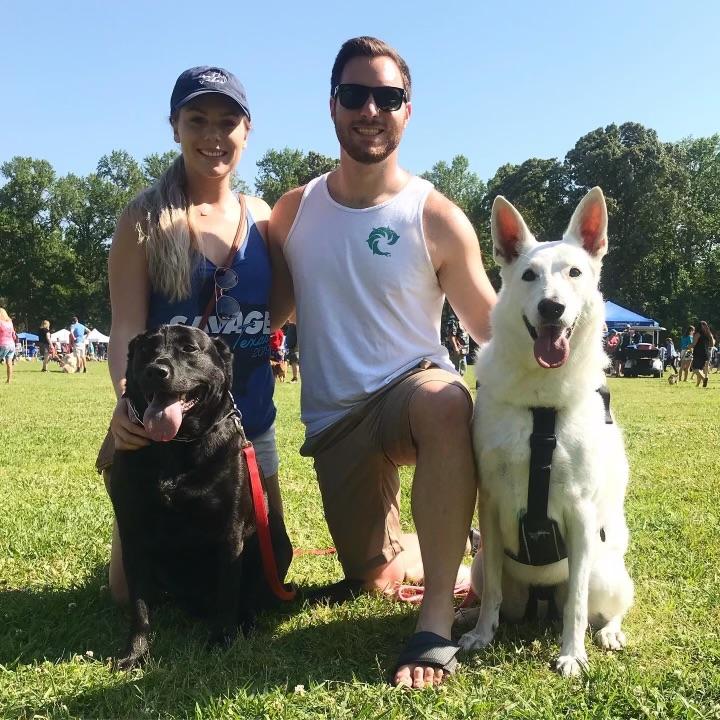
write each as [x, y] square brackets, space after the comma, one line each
[540, 540]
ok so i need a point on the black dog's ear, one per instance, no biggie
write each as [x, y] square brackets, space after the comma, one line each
[132, 345]
[132, 349]
[225, 355]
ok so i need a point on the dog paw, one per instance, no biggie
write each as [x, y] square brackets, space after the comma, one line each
[571, 665]
[476, 639]
[222, 639]
[610, 638]
[129, 662]
[135, 656]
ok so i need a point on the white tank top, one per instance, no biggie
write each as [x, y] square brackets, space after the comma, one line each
[368, 300]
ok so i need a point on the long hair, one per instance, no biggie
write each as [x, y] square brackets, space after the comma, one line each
[705, 330]
[164, 230]
[4, 316]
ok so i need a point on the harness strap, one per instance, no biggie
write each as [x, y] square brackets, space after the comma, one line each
[262, 525]
[542, 446]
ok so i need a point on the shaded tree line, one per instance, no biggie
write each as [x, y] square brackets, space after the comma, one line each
[663, 200]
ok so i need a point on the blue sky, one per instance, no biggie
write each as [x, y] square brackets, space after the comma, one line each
[497, 82]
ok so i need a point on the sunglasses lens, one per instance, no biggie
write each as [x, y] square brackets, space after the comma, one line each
[388, 99]
[226, 278]
[353, 97]
[227, 307]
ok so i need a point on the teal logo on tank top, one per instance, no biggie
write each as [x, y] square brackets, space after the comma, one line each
[382, 237]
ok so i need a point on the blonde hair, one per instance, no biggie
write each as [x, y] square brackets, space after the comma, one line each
[164, 229]
[45, 325]
[171, 246]
[3, 315]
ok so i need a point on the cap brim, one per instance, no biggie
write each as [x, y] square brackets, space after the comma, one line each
[208, 91]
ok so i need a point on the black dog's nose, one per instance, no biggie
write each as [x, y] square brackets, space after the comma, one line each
[550, 310]
[156, 371]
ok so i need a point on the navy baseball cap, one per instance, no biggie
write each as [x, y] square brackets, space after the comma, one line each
[207, 79]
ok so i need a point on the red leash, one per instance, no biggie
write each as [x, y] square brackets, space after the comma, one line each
[263, 529]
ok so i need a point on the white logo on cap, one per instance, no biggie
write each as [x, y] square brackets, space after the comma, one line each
[215, 77]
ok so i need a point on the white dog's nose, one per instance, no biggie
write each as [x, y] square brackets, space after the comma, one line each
[550, 310]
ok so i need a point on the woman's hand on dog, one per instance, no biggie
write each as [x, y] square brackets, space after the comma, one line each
[128, 434]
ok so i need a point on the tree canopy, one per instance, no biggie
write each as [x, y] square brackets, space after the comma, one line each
[663, 202]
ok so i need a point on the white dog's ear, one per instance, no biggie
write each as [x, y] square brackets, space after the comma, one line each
[589, 224]
[510, 234]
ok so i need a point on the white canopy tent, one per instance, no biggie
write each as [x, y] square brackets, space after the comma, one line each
[96, 336]
[61, 336]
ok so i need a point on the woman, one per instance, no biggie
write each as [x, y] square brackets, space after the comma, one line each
[8, 338]
[703, 341]
[170, 263]
[45, 343]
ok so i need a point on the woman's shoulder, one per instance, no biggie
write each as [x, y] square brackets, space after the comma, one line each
[258, 208]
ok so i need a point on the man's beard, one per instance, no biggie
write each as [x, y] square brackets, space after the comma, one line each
[364, 154]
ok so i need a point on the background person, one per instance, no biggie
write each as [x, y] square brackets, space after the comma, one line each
[703, 341]
[686, 342]
[45, 343]
[170, 262]
[671, 355]
[78, 340]
[8, 339]
[612, 343]
[372, 253]
[291, 343]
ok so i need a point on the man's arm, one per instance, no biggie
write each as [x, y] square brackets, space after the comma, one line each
[282, 296]
[455, 253]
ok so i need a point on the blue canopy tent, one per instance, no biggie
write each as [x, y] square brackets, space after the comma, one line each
[617, 317]
[25, 338]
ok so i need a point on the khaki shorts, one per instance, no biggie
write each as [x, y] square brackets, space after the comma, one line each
[357, 460]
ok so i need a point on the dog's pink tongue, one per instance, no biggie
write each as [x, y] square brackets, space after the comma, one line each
[163, 417]
[551, 347]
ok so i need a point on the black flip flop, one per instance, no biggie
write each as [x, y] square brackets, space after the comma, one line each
[429, 650]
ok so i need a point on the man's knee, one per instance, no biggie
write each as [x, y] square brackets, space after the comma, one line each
[386, 577]
[439, 407]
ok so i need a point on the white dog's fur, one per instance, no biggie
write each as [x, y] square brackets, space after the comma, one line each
[589, 467]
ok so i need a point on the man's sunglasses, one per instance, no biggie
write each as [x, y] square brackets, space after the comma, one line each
[353, 97]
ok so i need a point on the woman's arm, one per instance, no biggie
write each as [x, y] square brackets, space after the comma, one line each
[129, 299]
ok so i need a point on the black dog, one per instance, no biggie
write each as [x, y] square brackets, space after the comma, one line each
[183, 503]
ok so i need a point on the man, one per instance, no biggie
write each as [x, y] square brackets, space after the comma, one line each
[372, 253]
[686, 341]
[78, 335]
[621, 355]
[457, 342]
[291, 342]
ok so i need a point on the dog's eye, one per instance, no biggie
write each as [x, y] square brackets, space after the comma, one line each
[190, 348]
[575, 272]
[529, 276]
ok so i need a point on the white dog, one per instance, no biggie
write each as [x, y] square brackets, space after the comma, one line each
[546, 361]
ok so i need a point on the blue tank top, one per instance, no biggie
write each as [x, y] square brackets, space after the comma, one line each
[247, 335]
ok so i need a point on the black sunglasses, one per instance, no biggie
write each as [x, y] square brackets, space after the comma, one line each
[226, 306]
[353, 97]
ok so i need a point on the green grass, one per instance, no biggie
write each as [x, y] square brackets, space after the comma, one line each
[59, 628]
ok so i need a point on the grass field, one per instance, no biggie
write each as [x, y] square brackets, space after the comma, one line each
[59, 628]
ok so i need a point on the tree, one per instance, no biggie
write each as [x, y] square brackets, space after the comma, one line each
[646, 185]
[282, 170]
[458, 183]
[34, 258]
[156, 164]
